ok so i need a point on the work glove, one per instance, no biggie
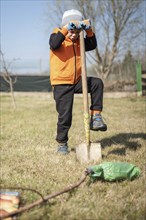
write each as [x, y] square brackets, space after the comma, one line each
[85, 24]
[73, 25]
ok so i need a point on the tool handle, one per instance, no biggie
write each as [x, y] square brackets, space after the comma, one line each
[84, 74]
[84, 88]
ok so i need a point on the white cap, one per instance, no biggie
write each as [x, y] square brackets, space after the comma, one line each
[71, 15]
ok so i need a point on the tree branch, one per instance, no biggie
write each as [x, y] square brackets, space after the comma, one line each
[46, 198]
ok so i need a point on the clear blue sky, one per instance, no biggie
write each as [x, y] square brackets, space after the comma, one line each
[23, 29]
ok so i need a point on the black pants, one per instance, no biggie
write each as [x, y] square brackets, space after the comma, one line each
[64, 97]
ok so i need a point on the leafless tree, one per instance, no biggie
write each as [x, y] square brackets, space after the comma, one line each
[118, 24]
[6, 74]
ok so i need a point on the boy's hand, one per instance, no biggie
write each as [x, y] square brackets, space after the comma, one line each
[78, 25]
[73, 25]
[85, 24]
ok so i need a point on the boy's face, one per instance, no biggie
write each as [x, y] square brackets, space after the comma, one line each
[73, 34]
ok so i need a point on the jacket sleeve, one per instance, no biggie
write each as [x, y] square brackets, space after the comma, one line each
[90, 42]
[57, 38]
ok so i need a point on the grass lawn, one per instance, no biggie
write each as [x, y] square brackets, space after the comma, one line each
[29, 158]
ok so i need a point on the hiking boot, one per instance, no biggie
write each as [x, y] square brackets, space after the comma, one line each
[63, 148]
[97, 124]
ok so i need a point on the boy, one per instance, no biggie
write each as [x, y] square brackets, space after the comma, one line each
[65, 74]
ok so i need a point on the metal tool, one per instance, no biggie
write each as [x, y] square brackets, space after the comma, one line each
[88, 151]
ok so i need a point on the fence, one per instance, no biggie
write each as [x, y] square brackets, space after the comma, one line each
[27, 84]
[37, 82]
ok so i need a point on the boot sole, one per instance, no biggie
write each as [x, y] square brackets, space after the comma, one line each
[99, 129]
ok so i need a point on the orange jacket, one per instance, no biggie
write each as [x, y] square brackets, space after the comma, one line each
[65, 62]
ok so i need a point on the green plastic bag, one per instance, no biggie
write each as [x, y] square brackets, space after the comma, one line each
[113, 171]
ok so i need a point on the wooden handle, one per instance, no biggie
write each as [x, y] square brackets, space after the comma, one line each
[84, 74]
[85, 90]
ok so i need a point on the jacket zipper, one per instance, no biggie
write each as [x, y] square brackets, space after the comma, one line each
[75, 63]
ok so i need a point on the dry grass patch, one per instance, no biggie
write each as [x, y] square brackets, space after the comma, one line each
[29, 158]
